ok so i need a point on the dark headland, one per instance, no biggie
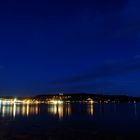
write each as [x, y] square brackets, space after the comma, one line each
[77, 97]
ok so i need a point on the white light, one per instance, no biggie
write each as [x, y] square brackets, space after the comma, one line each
[60, 102]
[56, 102]
[91, 102]
[14, 110]
[15, 100]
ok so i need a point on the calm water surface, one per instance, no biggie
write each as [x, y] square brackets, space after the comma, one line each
[52, 119]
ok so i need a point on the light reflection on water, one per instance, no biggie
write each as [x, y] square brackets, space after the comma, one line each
[26, 110]
[62, 111]
[135, 109]
[14, 110]
[90, 109]
[59, 110]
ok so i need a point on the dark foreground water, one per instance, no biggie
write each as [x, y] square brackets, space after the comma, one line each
[70, 122]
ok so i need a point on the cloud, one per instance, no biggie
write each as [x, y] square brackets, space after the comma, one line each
[82, 87]
[106, 70]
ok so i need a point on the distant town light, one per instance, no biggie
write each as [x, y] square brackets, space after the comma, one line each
[61, 94]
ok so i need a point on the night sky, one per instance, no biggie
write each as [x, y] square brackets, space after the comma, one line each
[69, 46]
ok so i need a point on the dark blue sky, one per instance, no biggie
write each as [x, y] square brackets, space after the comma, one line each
[70, 46]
